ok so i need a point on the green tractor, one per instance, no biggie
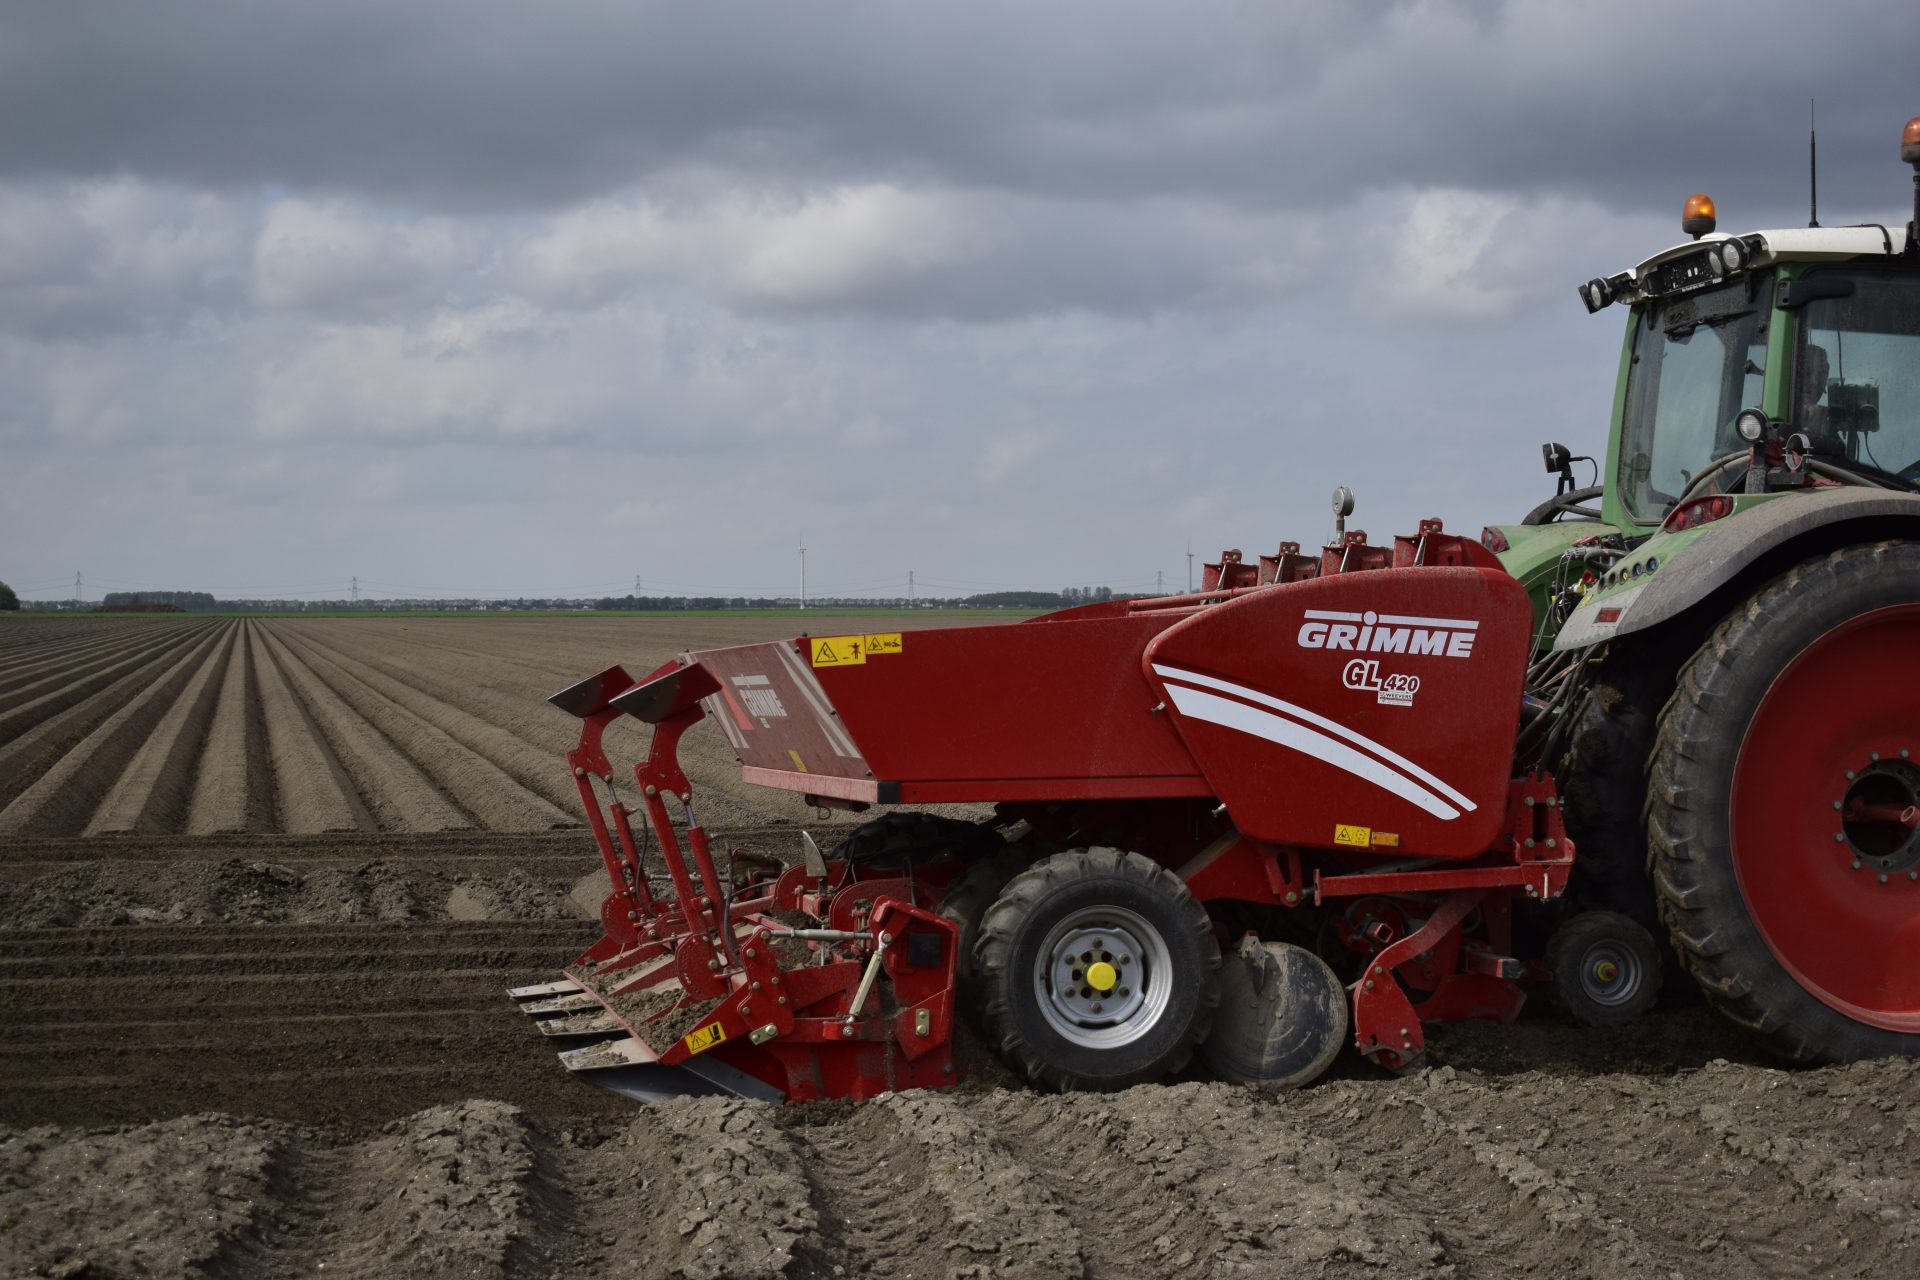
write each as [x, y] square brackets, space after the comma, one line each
[1727, 669]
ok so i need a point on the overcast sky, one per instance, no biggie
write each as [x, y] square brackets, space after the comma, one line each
[515, 298]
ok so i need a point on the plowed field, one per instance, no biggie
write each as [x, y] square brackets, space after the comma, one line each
[164, 726]
[262, 885]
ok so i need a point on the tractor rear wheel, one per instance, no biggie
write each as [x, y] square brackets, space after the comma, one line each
[1099, 971]
[1784, 809]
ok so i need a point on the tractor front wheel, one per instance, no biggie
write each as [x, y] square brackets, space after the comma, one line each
[1099, 971]
[1784, 809]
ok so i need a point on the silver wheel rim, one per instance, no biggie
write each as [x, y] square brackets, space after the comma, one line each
[1610, 974]
[1065, 977]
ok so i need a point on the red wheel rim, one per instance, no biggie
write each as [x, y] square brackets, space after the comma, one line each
[1825, 849]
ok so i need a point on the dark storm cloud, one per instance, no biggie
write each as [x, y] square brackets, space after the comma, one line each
[515, 106]
[1014, 294]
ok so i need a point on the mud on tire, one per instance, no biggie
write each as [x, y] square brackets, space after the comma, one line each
[1792, 630]
[1603, 781]
[1099, 971]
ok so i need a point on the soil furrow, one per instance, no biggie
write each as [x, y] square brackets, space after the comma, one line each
[277, 1037]
[1486, 1225]
[870, 1188]
[1787, 1121]
[425, 730]
[40, 745]
[444, 1192]
[26, 681]
[281, 847]
[1703, 1145]
[163, 1200]
[531, 770]
[66, 693]
[230, 787]
[251, 940]
[1514, 1155]
[313, 791]
[518, 708]
[740, 1200]
[1221, 1183]
[1000, 1218]
[61, 800]
[152, 793]
[241, 892]
[397, 793]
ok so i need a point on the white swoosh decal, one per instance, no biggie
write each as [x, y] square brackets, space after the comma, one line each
[1315, 735]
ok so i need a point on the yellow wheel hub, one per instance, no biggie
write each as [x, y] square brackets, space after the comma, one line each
[1606, 971]
[1101, 976]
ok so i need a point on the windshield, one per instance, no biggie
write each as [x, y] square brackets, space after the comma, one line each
[1857, 397]
[1697, 362]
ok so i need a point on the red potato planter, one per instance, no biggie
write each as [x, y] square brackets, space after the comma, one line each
[1317, 748]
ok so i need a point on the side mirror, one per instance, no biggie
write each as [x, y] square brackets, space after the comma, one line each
[1821, 284]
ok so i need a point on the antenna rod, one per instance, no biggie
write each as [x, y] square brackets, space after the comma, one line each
[1813, 171]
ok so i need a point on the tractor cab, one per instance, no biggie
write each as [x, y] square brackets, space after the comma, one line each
[1763, 363]
[1754, 366]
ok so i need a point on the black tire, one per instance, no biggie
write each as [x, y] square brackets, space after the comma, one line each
[1165, 995]
[1282, 1017]
[1607, 968]
[1602, 777]
[1712, 722]
[895, 839]
[964, 904]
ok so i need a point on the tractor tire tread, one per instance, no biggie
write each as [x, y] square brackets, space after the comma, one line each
[1717, 940]
[1604, 784]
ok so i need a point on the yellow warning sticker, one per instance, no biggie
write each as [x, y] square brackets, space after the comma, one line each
[839, 651]
[884, 642]
[798, 763]
[1358, 837]
[704, 1038]
[1386, 840]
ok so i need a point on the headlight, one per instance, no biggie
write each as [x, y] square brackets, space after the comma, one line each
[1734, 254]
[1596, 293]
[1751, 425]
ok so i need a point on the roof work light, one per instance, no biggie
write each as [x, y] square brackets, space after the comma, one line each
[1727, 257]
